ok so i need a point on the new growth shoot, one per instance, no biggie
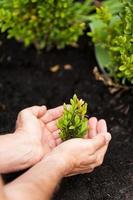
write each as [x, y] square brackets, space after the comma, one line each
[73, 123]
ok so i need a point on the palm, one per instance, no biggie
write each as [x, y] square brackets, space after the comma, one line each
[40, 128]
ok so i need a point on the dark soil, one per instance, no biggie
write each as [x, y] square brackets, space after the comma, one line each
[26, 80]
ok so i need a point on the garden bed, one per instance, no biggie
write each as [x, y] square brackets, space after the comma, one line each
[26, 79]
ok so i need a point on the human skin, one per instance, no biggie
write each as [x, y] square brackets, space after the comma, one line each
[36, 134]
[2, 196]
[72, 157]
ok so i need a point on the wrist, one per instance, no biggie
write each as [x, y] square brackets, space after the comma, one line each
[43, 178]
[29, 150]
[15, 153]
[56, 163]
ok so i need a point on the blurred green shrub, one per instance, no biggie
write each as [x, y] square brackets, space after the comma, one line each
[45, 23]
[112, 33]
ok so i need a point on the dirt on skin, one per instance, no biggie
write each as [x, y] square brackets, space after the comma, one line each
[29, 78]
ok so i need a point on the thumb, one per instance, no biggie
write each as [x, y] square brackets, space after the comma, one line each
[38, 111]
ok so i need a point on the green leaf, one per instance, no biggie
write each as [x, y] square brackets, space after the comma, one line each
[73, 123]
[102, 56]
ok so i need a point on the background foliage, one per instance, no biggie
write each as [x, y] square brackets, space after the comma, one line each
[112, 33]
[45, 23]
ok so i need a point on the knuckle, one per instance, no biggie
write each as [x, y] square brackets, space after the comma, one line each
[34, 107]
[49, 113]
[22, 112]
[19, 116]
[91, 168]
[99, 161]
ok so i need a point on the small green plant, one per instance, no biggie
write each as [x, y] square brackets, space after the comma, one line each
[112, 33]
[44, 23]
[73, 123]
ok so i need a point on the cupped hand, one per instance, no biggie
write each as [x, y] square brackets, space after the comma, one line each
[83, 155]
[37, 127]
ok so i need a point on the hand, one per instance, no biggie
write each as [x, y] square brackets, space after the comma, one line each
[37, 127]
[83, 155]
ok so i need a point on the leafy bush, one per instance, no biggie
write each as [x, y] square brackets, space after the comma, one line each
[112, 33]
[45, 23]
[73, 123]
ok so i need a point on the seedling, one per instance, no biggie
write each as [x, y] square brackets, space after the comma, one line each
[74, 122]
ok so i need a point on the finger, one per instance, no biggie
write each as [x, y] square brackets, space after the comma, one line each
[26, 114]
[92, 127]
[38, 111]
[101, 126]
[58, 141]
[52, 114]
[85, 171]
[96, 143]
[89, 161]
[86, 166]
[52, 126]
[56, 134]
[47, 138]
